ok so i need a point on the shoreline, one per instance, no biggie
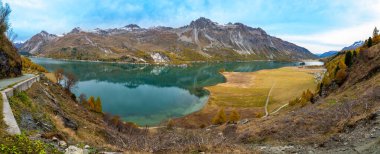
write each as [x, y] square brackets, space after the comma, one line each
[203, 117]
[171, 64]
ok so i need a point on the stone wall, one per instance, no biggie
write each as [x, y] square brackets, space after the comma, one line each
[9, 118]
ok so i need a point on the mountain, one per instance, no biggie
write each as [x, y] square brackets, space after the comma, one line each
[34, 45]
[353, 46]
[328, 54]
[18, 45]
[201, 40]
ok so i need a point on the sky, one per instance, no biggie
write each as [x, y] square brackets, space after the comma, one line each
[318, 25]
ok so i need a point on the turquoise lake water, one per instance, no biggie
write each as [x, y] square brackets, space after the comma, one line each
[150, 94]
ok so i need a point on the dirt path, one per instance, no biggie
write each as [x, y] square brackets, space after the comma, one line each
[285, 105]
[267, 101]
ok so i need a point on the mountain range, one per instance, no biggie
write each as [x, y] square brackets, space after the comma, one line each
[201, 40]
[351, 47]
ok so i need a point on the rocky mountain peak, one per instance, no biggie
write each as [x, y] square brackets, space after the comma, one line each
[76, 30]
[132, 26]
[44, 32]
[353, 46]
[202, 22]
[46, 35]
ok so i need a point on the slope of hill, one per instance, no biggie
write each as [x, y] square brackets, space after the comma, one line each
[201, 40]
[342, 117]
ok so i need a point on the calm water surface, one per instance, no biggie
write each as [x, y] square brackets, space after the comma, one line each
[148, 94]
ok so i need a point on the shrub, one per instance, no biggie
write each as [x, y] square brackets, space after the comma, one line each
[70, 81]
[341, 76]
[83, 99]
[58, 74]
[170, 124]
[259, 115]
[30, 67]
[234, 117]
[303, 100]
[22, 144]
[220, 118]
[294, 102]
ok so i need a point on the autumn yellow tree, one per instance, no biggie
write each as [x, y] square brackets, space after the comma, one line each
[234, 116]
[220, 118]
[91, 102]
[98, 105]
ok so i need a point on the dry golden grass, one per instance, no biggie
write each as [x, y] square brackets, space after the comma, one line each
[251, 89]
[51, 77]
[247, 92]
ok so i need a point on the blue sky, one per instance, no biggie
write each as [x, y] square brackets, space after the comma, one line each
[318, 25]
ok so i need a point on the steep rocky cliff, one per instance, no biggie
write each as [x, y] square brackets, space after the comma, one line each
[10, 61]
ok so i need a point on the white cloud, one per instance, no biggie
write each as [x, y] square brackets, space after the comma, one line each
[26, 4]
[332, 39]
[336, 39]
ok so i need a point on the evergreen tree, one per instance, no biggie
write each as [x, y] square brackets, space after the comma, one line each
[375, 32]
[369, 42]
[348, 58]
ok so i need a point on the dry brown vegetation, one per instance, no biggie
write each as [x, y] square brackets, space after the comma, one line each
[29, 67]
[337, 110]
[67, 119]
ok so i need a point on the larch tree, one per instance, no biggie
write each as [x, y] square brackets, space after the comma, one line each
[234, 116]
[98, 105]
[91, 102]
[220, 118]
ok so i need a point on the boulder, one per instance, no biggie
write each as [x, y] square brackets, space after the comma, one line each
[73, 150]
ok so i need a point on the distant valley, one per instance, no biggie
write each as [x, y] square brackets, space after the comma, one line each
[201, 40]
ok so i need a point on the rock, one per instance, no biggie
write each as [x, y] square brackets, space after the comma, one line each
[62, 144]
[244, 121]
[376, 92]
[55, 139]
[73, 150]
[159, 58]
[70, 123]
[86, 146]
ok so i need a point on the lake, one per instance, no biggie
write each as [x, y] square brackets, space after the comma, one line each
[150, 94]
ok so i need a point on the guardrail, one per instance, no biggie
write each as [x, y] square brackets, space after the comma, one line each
[9, 118]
